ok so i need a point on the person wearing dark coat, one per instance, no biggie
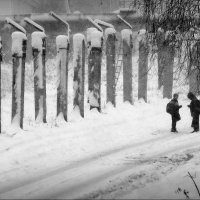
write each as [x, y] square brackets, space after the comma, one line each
[195, 111]
[175, 112]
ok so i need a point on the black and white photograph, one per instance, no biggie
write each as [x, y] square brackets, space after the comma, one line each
[100, 99]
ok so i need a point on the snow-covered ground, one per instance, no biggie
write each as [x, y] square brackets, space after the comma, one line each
[127, 152]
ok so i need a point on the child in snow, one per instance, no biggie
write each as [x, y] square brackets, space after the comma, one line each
[195, 111]
[173, 109]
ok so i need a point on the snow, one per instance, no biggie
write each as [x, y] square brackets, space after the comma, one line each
[142, 32]
[89, 32]
[60, 119]
[142, 35]
[109, 31]
[77, 45]
[116, 11]
[126, 35]
[62, 41]
[17, 41]
[80, 152]
[167, 34]
[160, 30]
[40, 115]
[126, 152]
[93, 99]
[37, 40]
[96, 38]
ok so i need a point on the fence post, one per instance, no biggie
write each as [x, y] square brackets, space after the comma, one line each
[127, 65]
[19, 55]
[95, 39]
[143, 66]
[0, 78]
[88, 38]
[79, 71]
[62, 43]
[110, 34]
[39, 51]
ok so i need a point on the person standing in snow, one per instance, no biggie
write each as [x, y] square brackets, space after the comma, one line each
[195, 111]
[173, 109]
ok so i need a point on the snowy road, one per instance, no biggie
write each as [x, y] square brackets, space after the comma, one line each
[125, 152]
[109, 174]
[121, 153]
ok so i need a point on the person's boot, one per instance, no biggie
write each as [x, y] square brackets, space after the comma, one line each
[195, 130]
[174, 130]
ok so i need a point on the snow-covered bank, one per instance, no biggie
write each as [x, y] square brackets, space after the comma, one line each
[49, 156]
[124, 152]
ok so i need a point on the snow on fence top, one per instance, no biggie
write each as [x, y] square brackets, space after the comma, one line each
[160, 30]
[197, 35]
[95, 38]
[142, 34]
[62, 42]
[37, 40]
[77, 41]
[88, 33]
[17, 42]
[168, 34]
[126, 35]
[77, 45]
[109, 31]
